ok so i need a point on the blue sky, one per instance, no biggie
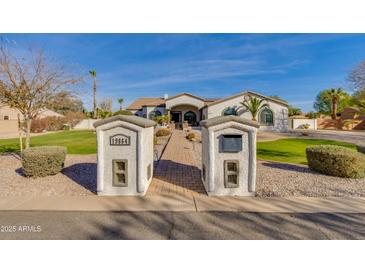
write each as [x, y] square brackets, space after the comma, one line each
[293, 66]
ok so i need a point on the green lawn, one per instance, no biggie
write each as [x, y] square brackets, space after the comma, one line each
[77, 142]
[291, 150]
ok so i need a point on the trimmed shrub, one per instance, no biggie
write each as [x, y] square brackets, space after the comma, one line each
[190, 136]
[122, 112]
[43, 161]
[361, 148]
[336, 161]
[163, 132]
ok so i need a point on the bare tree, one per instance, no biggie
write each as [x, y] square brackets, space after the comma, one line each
[357, 77]
[106, 104]
[29, 82]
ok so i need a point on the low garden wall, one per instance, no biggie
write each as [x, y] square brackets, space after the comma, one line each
[86, 124]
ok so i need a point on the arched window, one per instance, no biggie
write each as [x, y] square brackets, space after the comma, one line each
[266, 117]
[230, 111]
[154, 114]
[190, 117]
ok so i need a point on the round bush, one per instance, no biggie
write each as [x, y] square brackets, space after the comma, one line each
[43, 161]
[190, 136]
[163, 132]
[336, 161]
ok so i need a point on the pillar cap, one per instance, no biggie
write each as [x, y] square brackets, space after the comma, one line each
[139, 121]
[229, 118]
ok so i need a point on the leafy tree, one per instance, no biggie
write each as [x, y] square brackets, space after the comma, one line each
[65, 102]
[93, 75]
[162, 119]
[332, 101]
[120, 101]
[359, 95]
[30, 83]
[254, 105]
[312, 115]
[294, 111]
[360, 106]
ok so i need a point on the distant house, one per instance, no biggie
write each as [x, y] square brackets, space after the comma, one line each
[192, 109]
[9, 119]
[8, 113]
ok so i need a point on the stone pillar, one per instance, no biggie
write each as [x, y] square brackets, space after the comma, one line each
[125, 155]
[229, 156]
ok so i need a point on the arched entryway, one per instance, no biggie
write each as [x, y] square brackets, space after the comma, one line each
[190, 117]
[182, 113]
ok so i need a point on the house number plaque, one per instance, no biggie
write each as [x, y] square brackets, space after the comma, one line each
[120, 140]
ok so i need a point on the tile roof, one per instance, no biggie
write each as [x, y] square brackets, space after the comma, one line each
[140, 102]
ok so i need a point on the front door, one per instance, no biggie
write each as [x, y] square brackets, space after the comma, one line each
[176, 118]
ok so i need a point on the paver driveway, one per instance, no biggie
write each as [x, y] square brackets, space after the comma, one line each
[177, 172]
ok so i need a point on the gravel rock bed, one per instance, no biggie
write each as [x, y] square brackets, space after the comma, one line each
[78, 178]
[275, 179]
[284, 180]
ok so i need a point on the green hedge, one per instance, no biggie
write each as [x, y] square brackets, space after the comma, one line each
[336, 161]
[43, 161]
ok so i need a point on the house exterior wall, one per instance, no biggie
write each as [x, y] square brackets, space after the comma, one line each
[205, 113]
[146, 111]
[280, 113]
[12, 113]
[184, 100]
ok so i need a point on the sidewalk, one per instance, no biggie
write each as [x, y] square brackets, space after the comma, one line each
[185, 204]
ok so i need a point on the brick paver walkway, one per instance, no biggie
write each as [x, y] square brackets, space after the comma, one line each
[177, 172]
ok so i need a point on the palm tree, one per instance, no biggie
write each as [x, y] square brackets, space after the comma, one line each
[93, 75]
[254, 105]
[120, 101]
[335, 95]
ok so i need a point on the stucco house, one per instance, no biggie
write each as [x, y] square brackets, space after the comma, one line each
[8, 113]
[9, 119]
[192, 108]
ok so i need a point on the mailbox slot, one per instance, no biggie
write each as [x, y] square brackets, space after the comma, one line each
[120, 173]
[231, 143]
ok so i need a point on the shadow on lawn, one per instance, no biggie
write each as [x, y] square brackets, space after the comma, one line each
[84, 174]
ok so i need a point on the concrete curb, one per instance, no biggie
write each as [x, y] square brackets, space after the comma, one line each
[185, 204]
